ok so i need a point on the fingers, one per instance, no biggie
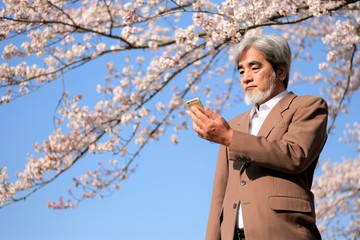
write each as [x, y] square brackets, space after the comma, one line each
[210, 126]
[211, 114]
[199, 120]
[200, 117]
[203, 125]
[199, 113]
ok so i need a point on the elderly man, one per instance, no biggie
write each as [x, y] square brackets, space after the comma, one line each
[268, 155]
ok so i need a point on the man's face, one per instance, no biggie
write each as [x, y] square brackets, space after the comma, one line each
[258, 78]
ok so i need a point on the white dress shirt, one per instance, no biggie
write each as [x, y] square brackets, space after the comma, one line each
[258, 115]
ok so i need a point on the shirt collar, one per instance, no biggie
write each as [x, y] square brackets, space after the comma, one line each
[269, 104]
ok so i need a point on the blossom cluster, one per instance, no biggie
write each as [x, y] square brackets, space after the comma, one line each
[337, 191]
[337, 194]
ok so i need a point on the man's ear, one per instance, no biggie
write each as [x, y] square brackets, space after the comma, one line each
[281, 72]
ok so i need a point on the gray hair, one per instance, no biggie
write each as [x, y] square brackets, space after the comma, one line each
[275, 50]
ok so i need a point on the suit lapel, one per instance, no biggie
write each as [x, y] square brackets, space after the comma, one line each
[243, 122]
[275, 115]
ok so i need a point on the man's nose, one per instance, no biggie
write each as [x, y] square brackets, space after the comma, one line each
[246, 77]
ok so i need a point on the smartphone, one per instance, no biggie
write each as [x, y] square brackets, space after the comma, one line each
[195, 102]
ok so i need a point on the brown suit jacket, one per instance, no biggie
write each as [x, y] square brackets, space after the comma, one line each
[270, 174]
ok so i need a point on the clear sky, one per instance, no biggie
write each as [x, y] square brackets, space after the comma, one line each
[167, 198]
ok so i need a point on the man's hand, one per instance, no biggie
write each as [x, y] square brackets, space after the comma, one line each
[210, 126]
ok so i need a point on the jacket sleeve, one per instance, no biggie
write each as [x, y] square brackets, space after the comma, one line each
[293, 144]
[219, 187]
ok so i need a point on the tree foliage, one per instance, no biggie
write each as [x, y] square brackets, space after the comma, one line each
[169, 50]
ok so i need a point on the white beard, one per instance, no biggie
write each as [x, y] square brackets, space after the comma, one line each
[254, 98]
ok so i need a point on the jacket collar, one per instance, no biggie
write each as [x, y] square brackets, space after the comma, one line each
[276, 114]
[271, 120]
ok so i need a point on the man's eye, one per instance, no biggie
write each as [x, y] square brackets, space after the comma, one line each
[255, 68]
[241, 72]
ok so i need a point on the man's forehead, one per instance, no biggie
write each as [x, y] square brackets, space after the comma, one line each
[250, 57]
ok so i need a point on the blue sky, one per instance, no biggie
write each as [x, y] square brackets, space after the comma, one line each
[167, 198]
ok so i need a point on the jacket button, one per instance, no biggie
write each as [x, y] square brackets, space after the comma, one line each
[242, 182]
[234, 205]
